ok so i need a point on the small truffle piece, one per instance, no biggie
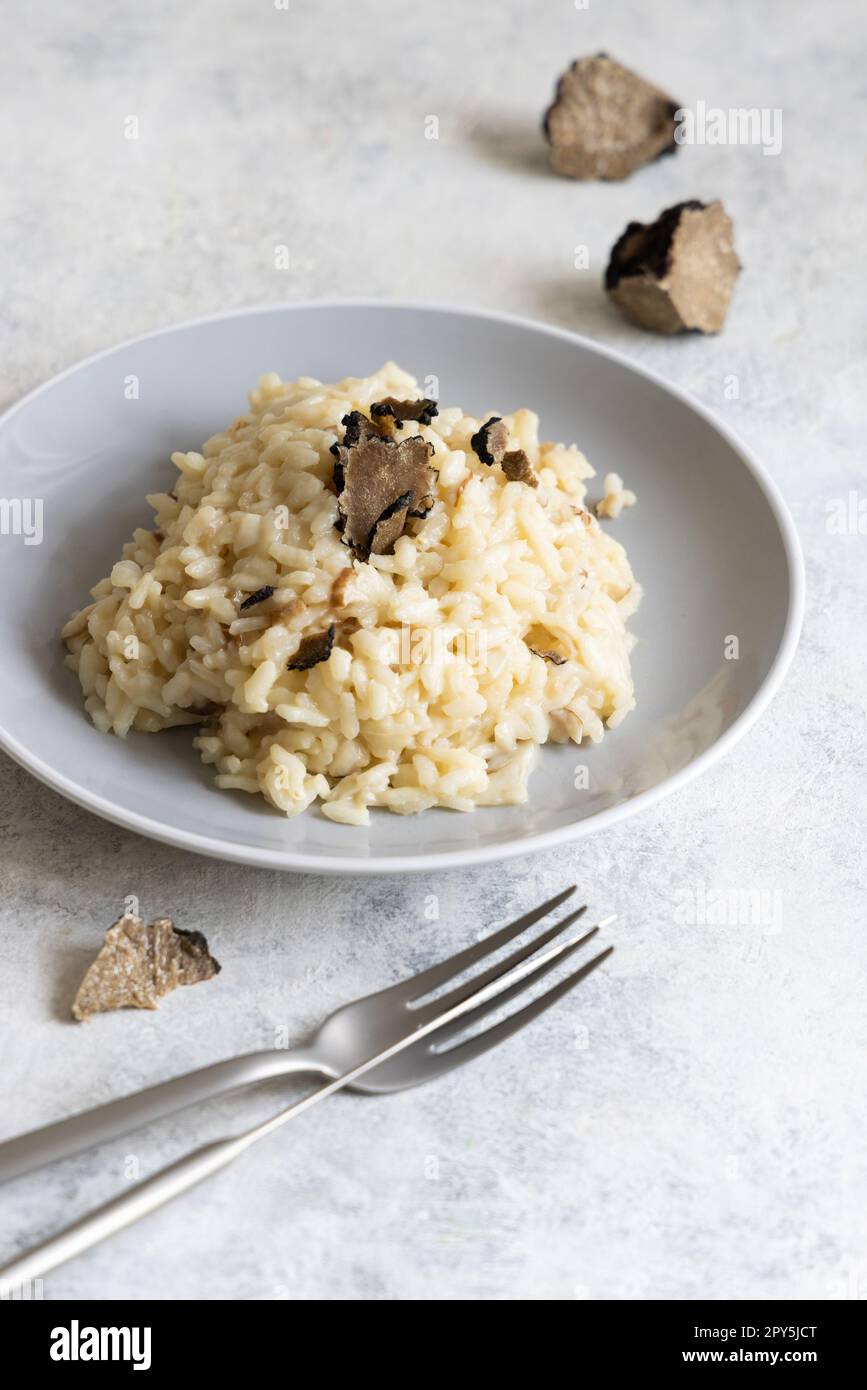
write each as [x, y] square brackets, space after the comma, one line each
[259, 597]
[339, 586]
[138, 965]
[518, 468]
[316, 647]
[490, 440]
[556, 658]
[288, 613]
[390, 409]
[606, 121]
[357, 428]
[677, 273]
[545, 644]
[384, 483]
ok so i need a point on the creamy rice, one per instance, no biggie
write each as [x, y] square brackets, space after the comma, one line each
[434, 693]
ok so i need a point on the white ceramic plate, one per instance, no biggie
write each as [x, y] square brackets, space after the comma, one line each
[710, 541]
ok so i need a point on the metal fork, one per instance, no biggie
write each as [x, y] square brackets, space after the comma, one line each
[445, 1017]
[354, 1032]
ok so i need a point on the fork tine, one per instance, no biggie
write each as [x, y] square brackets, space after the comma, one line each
[528, 977]
[439, 974]
[446, 1001]
[482, 1042]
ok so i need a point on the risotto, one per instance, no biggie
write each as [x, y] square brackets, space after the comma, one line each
[362, 600]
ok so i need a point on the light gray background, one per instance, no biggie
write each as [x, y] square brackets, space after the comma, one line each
[691, 1123]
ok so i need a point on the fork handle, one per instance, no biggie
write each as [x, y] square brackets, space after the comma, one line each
[30, 1151]
[122, 1211]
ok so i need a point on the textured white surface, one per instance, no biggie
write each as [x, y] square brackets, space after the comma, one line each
[691, 1123]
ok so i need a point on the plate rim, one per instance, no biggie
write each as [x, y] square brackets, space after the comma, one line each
[299, 862]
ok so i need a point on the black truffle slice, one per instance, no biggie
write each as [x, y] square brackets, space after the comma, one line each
[556, 658]
[314, 648]
[489, 442]
[518, 468]
[677, 273]
[259, 597]
[606, 121]
[545, 644]
[138, 965]
[390, 409]
[357, 428]
[383, 482]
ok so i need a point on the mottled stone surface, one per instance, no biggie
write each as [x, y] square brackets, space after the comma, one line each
[691, 1123]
